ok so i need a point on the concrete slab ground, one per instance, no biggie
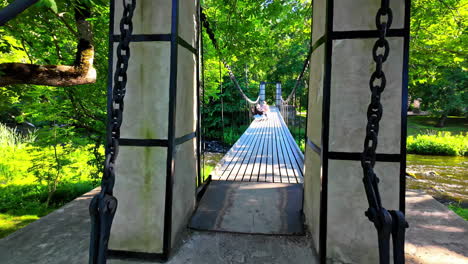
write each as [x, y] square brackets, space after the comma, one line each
[63, 237]
[219, 248]
[250, 207]
[436, 235]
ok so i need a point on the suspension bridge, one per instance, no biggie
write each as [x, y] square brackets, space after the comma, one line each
[266, 152]
[154, 178]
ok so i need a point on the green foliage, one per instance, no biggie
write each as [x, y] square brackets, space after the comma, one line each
[49, 4]
[37, 178]
[459, 210]
[442, 143]
[438, 62]
[13, 153]
[10, 223]
[207, 169]
[46, 34]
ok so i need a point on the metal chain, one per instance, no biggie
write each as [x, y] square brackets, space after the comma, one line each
[388, 223]
[211, 35]
[104, 205]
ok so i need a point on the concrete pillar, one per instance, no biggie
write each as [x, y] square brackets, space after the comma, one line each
[157, 164]
[262, 91]
[343, 36]
[278, 93]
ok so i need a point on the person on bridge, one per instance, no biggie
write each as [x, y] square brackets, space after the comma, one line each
[265, 109]
[257, 110]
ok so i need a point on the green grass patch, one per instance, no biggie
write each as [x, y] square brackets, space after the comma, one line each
[207, 169]
[21, 204]
[425, 124]
[11, 223]
[37, 179]
[442, 143]
[463, 212]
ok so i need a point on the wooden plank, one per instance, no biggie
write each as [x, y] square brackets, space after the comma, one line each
[287, 155]
[235, 152]
[249, 171]
[261, 164]
[298, 158]
[246, 169]
[281, 155]
[269, 161]
[241, 170]
[266, 152]
[255, 177]
[253, 129]
[275, 167]
[291, 161]
[228, 158]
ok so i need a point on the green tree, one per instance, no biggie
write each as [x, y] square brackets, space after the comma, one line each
[438, 61]
[54, 35]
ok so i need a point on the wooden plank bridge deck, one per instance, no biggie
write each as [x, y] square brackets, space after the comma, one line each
[266, 152]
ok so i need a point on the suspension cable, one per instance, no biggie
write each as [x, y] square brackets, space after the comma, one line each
[299, 78]
[388, 223]
[210, 33]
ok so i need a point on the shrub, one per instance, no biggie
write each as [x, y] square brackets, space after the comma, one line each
[442, 143]
[14, 154]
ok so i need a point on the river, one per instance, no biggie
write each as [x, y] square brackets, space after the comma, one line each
[444, 177]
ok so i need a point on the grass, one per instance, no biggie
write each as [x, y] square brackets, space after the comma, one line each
[423, 124]
[207, 169]
[463, 212]
[25, 178]
[10, 223]
[23, 203]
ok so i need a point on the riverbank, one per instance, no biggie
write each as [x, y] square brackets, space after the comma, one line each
[444, 178]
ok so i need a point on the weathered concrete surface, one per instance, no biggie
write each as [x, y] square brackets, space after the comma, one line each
[250, 207]
[217, 248]
[63, 237]
[60, 237]
[436, 234]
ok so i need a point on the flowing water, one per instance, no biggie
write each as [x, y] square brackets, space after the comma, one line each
[444, 177]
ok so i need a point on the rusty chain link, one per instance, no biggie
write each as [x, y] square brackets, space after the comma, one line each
[104, 205]
[388, 223]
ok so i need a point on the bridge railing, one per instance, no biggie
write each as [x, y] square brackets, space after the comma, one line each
[294, 113]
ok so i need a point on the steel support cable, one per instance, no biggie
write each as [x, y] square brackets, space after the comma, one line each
[389, 224]
[299, 78]
[12, 10]
[211, 35]
[104, 205]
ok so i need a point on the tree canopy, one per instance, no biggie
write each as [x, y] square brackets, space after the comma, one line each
[263, 40]
[438, 56]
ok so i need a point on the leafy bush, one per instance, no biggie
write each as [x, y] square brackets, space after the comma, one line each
[442, 143]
